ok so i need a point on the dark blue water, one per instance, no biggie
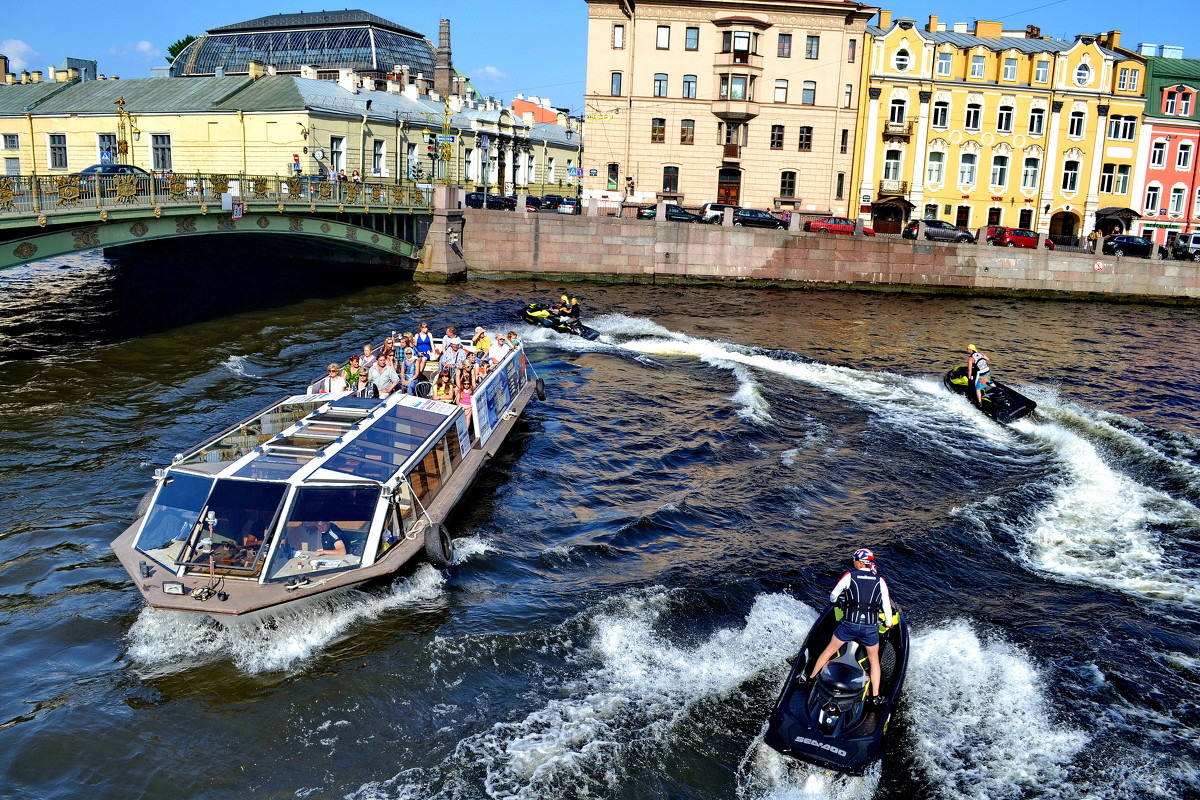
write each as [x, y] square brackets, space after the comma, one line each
[640, 564]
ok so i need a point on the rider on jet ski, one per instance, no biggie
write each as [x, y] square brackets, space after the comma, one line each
[866, 595]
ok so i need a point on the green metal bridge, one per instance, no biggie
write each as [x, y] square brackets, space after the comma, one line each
[45, 216]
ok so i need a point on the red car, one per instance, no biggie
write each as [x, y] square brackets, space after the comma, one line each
[834, 225]
[1016, 237]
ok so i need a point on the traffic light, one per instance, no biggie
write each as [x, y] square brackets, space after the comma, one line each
[432, 150]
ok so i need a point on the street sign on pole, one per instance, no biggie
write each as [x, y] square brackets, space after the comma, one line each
[445, 139]
[483, 141]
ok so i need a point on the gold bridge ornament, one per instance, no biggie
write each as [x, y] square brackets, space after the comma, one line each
[127, 188]
[68, 190]
[259, 187]
[7, 193]
[220, 184]
[177, 188]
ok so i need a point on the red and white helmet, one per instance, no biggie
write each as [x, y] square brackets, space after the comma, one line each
[864, 555]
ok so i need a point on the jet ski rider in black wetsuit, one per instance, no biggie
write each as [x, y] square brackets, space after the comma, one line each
[866, 595]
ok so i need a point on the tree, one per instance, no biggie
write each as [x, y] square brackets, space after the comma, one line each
[174, 50]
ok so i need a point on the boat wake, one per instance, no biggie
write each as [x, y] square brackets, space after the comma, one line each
[240, 366]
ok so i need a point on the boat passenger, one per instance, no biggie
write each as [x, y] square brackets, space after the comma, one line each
[408, 371]
[368, 356]
[450, 337]
[561, 306]
[332, 382]
[351, 371]
[513, 341]
[444, 390]
[979, 373]
[453, 359]
[499, 350]
[866, 595]
[364, 387]
[423, 346]
[481, 340]
[384, 376]
[574, 309]
[466, 386]
[322, 539]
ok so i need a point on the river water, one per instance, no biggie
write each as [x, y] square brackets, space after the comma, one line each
[641, 562]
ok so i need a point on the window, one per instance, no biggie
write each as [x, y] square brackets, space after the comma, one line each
[1122, 128]
[1123, 79]
[785, 45]
[1169, 103]
[812, 46]
[935, 170]
[336, 152]
[1000, 171]
[1083, 74]
[670, 180]
[377, 157]
[808, 95]
[1010, 69]
[618, 37]
[1029, 175]
[1158, 155]
[658, 130]
[977, 64]
[663, 41]
[806, 133]
[614, 171]
[971, 120]
[902, 60]
[1152, 196]
[1004, 119]
[776, 137]
[787, 184]
[691, 38]
[896, 111]
[945, 62]
[57, 143]
[1121, 185]
[891, 165]
[1185, 105]
[845, 140]
[941, 114]
[1070, 179]
[1041, 71]
[737, 42]
[1183, 159]
[687, 131]
[848, 96]
[660, 84]
[1108, 177]
[105, 143]
[737, 88]
[781, 91]
[1037, 121]
[1178, 197]
[840, 192]
[689, 86]
[615, 87]
[851, 51]
[966, 169]
[13, 142]
[1075, 125]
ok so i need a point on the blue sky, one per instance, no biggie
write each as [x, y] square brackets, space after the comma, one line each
[506, 46]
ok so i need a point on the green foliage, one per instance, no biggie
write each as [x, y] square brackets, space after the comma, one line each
[174, 50]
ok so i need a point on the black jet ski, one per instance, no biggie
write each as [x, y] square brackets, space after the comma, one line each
[830, 721]
[537, 314]
[1000, 402]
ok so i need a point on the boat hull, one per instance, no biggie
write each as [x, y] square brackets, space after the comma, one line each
[799, 729]
[1002, 402]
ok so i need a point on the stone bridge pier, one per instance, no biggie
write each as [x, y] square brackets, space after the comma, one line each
[441, 259]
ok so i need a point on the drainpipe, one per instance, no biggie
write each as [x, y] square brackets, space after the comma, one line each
[242, 119]
[362, 148]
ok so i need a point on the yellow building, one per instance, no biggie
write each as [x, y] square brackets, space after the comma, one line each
[992, 127]
[749, 102]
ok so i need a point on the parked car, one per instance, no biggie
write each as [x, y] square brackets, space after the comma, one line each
[674, 214]
[533, 202]
[105, 170]
[937, 230]
[754, 218]
[834, 225]
[1123, 245]
[1186, 245]
[1015, 237]
[568, 205]
[551, 201]
[714, 213]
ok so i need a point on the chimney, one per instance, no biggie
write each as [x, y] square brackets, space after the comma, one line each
[885, 18]
[52, 75]
[932, 26]
[410, 91]
[1172, 51]
[36, 76]
[986, 29]
[348, 80]
[272, 69]
[73, 74]
[1147, 49]
[256, 69]
[394, 87]
[3, 65]
[308, 71]
[10, 78]
[443, 72]
[405, 75]
[527, 118]
[367, 83]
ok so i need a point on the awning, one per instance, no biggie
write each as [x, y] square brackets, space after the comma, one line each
[1127, 214]
[893, 201]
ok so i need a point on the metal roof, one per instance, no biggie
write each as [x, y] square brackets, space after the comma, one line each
[968, 40]
[142, 96]
[24, 97]
[1171, 69]
[313, 19]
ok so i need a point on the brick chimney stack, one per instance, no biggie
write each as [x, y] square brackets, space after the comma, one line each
[443, 72]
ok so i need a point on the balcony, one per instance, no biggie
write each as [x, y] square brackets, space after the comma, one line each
[897, 128]
[739, 61]
[732, 152]
[890, 187]
[735, 110]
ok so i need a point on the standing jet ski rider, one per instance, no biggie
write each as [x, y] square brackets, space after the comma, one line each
[866, 595]
[979, 373]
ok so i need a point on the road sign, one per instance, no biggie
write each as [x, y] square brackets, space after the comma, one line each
[105, 156]
[445, 139]
[483, 142]
[593, 172]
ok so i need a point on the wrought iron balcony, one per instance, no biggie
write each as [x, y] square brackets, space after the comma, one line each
[898, 128]
[733, 152]
[893, 187]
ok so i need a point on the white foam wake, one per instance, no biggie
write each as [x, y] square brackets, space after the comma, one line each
[239, 365]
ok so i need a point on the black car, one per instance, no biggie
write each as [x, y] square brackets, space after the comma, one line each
[1128, 246]
[551, 201]
[754, 218]
[106, 170]
[674, 214]
[938, 230]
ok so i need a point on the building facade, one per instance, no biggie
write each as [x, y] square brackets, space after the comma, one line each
[749, 102]
[983, 126]
[1170, 196]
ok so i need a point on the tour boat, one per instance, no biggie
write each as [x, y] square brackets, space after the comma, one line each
[251, 519]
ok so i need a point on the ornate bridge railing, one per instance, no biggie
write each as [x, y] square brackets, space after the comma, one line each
[37, 196]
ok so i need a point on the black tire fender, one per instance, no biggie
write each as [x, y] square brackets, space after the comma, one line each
[540, 386]
[439, 547]
[143, 505]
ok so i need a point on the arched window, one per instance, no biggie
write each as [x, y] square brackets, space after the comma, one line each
[787, 184]
[1083, 74]
[941, 114]
[809, 94]
[1004, 119]
[1070, 179]
[781, 87]
[1029, 175]
[971, 120]
[1000, 171]
[660, 84]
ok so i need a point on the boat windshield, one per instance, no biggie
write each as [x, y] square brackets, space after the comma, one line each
[234, 524]
[173, 517]
[326, 529]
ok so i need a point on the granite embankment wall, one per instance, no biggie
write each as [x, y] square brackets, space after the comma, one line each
[561, 247]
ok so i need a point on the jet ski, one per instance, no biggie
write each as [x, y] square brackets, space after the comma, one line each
[830, 721]
[537, 314]
[1000, 402]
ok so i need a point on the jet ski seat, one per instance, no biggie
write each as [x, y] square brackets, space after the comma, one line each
[844, 675]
